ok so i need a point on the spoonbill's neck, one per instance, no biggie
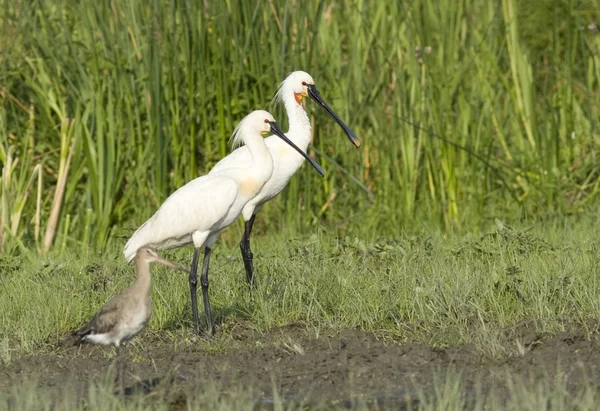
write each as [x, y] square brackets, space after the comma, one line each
[298, 120]
[261, 156]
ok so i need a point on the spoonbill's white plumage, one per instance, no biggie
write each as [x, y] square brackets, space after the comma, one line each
[286, 162]
[199, 210]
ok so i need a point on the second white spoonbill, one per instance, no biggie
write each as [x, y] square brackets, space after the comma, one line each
[199, 210]
[293, 89]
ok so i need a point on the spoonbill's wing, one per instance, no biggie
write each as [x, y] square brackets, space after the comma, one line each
[196, 206]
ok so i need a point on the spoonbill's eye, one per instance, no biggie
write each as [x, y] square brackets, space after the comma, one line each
[304, 83]
[267, 121]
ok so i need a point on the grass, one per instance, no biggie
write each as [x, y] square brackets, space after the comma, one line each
[100, 396]
[438, 289]
[441, 290]
[451, 394]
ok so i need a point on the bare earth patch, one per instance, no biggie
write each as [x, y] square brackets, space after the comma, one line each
[334, 367]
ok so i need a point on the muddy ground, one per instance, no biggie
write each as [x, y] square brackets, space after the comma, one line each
[332, 367]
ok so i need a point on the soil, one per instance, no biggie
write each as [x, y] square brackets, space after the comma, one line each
[334, 367]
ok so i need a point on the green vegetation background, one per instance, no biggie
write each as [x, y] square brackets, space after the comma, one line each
[468, 111]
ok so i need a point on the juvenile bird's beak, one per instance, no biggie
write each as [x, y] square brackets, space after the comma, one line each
[314, 94]
[277, 131]
[170, 264]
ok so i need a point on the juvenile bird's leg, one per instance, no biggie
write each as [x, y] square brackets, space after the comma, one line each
[204, 285]
[193, 287]
[119, 378]
[247, 252]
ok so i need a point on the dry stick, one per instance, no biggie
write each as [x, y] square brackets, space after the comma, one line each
[6, 171]
[3, 206]
[58, 195]
[15, 218]
[38, 208]
[16, 100]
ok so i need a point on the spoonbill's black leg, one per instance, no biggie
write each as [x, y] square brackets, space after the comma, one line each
[247, 252]
[204, 285]
[193, 287]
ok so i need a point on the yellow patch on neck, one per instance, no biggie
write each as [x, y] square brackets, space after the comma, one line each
[298, 97]
[249, 187]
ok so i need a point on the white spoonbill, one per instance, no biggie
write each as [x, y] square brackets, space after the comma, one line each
[199, 210]
[126, 314]
[292, 90]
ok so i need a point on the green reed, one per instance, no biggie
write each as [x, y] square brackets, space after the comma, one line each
[467, 110]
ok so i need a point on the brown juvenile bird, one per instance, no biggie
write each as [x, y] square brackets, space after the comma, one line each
[126, 314]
